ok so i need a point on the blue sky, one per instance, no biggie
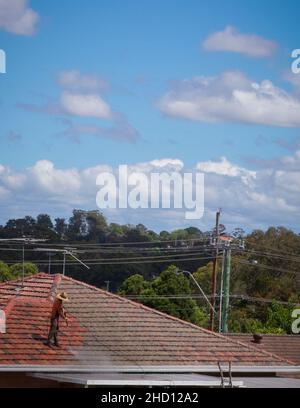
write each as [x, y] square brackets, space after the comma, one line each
[143, 51]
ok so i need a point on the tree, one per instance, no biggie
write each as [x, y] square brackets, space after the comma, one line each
[61, 228]
[17, 228]
[164, 235]
[17, 269]
[169, 293]
[5, 272]
[77, 228]
[134, 285]
[96, 226]
[222, 230]
[136, 234]
[193, 232]
[238, 233]
[203, 275]
[44, 227]
[280, 317]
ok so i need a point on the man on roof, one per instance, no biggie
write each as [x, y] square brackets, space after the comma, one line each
[57, 312]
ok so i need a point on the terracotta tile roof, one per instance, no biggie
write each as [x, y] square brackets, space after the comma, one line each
[286, 346]
[106, 329]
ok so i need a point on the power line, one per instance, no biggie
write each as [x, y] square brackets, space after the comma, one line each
[272, 249]
[270, 268]
[113, 244]
[125, 262]
[239, 297]
[270, 255]
[114, 250]
[263, 300]
[129, 258]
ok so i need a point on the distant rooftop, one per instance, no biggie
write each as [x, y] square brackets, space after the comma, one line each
[286, 346]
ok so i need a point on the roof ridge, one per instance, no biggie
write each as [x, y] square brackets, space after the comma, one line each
[220, 336]
[56, 281]
[9, 305]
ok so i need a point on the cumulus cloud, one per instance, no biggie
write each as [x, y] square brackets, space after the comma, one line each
[223, 167]
[17, 17]
[267, 196]
[156, 165]
[248, 44]
[250, 199]
[231, 97]
[90, 105]
[81, 97]
[78, 97]
[293, 79]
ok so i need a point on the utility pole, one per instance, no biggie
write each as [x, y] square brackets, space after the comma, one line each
[221, 293]
[226, 289]
[214, 274]
[225, 244]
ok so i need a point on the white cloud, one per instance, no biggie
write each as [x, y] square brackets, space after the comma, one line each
[232, 97]
[78, 98]
[223, 167]
[17, 17]
[55, 181]
[250, 199]
[74, 80]
[294, 79]
[157, 165]
[85, 105]
[81, 97]
[248, 44]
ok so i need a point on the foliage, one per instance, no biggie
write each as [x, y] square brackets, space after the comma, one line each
[157, 293]
[5, 272]
[29, 269]
[276, 319]
[134, 285]
[16, 271]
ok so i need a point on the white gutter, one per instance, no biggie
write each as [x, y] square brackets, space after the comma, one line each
[146, 369]
[139, 382]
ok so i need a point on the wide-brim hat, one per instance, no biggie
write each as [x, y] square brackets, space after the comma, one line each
[63, 296]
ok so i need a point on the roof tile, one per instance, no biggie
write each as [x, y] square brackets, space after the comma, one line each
[107, 329]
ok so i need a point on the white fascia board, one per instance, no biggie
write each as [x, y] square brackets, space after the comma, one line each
[135, 383]
[148, 369]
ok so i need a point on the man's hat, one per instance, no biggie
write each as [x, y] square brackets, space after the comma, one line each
[63, 296]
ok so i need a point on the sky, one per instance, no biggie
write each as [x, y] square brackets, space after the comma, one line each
[196, 86]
